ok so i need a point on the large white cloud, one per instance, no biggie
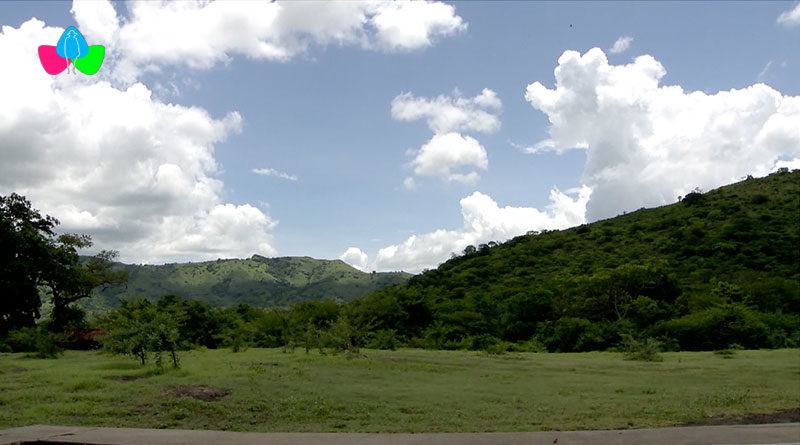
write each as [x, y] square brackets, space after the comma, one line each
[200, 34]
[403, 25]
[647, 144]
[484, 221]
[447, 152]
[790, 17]
[451, 113]
[135, 173]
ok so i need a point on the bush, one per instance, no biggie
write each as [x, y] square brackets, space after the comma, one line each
[499, 348]
[715, 328]
[730, 351]
[532, 345]
[384, 339]
[693, 198]
[481, 342]
[648, 350]
[343, 336]
[563, 335]
[36, 340]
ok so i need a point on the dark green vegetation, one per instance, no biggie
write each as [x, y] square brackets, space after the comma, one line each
[35, 262]
[395, 391]
[258, 281]
[712, 270]
[719, 270]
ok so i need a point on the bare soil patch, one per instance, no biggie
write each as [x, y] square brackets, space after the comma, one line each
[266, 364]
[124, 378]
[355, 354]
[202, 392]
[782, 416]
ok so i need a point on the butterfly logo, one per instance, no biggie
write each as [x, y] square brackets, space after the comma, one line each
[71, 49]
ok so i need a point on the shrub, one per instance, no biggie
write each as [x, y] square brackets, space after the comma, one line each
[730, 351]
[384, 339]
[645, 350]
[481, 342]
[532, 345]
[693, 198]
[35, 340]
[343, 336]
[717, 327]
[563, 335]
[499, 348]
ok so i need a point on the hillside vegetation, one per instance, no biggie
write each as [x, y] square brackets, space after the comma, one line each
[714, 269]
[257, 281]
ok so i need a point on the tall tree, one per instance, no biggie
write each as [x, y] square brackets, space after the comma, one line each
[34, 259]
[26, 241]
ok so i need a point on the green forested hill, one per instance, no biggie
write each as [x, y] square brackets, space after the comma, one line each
[713, 269]
[257, 281]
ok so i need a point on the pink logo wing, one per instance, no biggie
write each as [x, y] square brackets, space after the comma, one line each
[51, 61]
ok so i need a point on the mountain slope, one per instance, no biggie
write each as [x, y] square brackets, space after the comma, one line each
[734, 250]
[258, 281]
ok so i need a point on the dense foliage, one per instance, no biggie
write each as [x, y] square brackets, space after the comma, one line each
[719, 270]
[36, 262]
[258, 281]
[714, 269]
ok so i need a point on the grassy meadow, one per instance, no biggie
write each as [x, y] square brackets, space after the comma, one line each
[396, 391]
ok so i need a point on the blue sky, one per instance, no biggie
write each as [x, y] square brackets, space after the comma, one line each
[356, 174]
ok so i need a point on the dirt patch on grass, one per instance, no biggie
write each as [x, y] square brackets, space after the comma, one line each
[263, 364]
[124, 378]
[202, 392]
[13, 370]
[782, 416]
[355, 354]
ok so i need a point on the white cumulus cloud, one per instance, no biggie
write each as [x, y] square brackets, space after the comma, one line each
[446, 152]
[97, 20]
[792, 164]
[404, 25]
[447, 116]
[137, 174]
[356, 258]
[621, 45]
[647, 144]
[791, 17]
[201, 34]
[484, 221]
[451, 113]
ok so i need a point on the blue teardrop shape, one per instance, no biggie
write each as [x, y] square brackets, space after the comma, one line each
[72, 45]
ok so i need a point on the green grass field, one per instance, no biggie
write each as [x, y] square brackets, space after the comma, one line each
[397, 391]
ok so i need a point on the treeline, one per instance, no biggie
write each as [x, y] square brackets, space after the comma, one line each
[595, 313]
[141, 328]
[713, 271]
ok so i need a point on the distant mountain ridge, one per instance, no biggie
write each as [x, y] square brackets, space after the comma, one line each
[258, 281]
